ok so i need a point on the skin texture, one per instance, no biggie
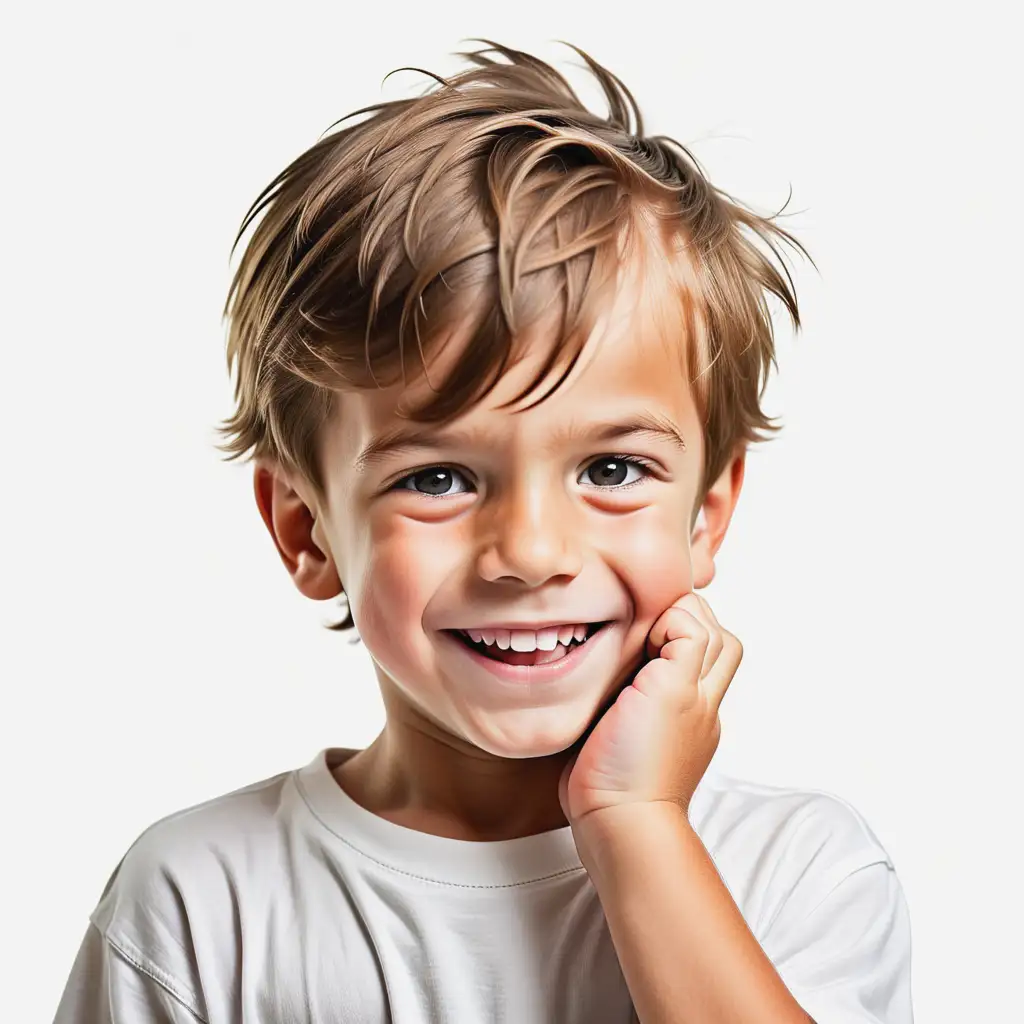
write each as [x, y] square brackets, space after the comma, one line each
[525, 535]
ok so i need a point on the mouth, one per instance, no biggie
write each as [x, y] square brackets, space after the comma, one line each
[528, 647]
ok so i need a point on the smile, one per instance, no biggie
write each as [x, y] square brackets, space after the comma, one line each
[551, 640]
[522, 655]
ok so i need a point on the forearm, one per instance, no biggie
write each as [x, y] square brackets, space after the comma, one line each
[685, 950]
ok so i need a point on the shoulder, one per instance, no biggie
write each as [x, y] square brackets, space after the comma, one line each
[777, 845]
[178, 889]
[192, 842]
[818, 890]
[784, 816]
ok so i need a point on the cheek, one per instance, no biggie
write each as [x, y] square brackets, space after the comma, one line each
[652, 558]
[395, 575]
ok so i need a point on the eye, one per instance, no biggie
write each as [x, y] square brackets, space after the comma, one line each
[434, 482]
[614, 472]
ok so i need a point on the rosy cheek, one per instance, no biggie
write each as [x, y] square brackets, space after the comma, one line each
[401, 570]
[652, 558]
[388, 590]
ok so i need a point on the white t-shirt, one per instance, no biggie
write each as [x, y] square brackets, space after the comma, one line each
[287, 902]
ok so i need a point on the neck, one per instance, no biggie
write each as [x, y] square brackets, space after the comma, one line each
[414, 775]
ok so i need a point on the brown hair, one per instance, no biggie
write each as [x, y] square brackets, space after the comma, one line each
[493, 200]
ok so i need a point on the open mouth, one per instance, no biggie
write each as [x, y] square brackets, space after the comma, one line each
[528, 647]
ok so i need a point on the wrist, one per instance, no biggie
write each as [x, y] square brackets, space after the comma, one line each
[621, 836]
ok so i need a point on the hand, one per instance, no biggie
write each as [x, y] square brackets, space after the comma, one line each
[655, 742]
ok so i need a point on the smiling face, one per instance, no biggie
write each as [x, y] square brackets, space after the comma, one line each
[574, 512]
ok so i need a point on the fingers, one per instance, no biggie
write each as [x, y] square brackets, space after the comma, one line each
[716, 641]
[690, 636]
[681, 621]
[719, 675]
[689, 618]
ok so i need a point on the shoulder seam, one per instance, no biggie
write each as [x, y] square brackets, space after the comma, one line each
[813, 798]
[162, 978]
[849, 874]
[878, 852]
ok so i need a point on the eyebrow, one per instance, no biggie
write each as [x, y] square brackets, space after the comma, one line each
[408, 439]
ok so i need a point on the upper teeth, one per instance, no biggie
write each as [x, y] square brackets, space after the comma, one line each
[528, 639]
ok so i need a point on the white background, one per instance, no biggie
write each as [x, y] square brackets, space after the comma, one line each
[155, 653]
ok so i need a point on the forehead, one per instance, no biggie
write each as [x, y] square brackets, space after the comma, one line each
[635, 359]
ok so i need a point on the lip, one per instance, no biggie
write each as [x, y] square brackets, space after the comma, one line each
[535, 627]
[527, 675]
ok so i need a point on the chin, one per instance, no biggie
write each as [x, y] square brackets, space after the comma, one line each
[525, 734]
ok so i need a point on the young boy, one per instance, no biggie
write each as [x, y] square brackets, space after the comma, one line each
[499, 359]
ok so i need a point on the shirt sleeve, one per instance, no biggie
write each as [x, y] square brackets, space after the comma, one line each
[846, 960]
[110, 985]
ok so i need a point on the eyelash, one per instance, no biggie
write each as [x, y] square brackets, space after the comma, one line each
[634, 460]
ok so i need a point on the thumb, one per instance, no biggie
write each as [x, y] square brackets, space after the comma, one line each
[563, 784]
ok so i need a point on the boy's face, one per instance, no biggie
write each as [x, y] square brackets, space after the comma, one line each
[539, 518]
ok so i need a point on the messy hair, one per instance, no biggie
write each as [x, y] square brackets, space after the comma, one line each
[494, 202]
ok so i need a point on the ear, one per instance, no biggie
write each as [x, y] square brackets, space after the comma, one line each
[296, 532]
[713, 519]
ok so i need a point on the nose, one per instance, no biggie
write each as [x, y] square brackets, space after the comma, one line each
[530, 538]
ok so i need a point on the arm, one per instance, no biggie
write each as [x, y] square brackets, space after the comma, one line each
[685, 949]
[839, 929]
